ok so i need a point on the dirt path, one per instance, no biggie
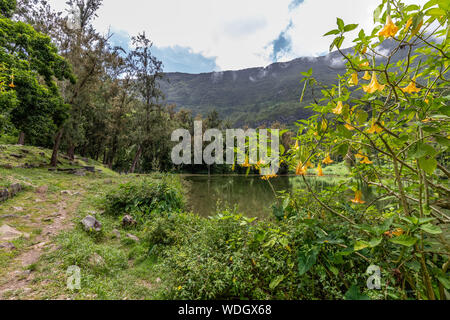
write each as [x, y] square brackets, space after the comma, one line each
[20, 275]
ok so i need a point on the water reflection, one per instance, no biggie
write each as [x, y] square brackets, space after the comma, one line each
[252, 196]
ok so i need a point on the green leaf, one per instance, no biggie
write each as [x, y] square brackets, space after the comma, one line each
[404, 240]
[306, 260]
[445, 281]
[431, 228]
[354, 294]
[335, 31]
[275, 282]
[429, 165]
[375, 242]
[420, 150]
[350, 27]
[435, 12]
[340, 24]
[359, 245]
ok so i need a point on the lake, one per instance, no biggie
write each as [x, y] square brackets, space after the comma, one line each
[250, 194]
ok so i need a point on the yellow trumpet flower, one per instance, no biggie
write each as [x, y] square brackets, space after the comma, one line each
[374, 128]
[320, 171]
[358, 198]
[301, 169]
[296, 147]
[366, 76]
[389, 30]
[373, 86]
[408, 23]
[338, 109]
[353, 81]
[366, 161]
[364, 64]
[327, 160]
[267, 177]
[411, 87]
[417, 29]
[349, 127]
[246, 164]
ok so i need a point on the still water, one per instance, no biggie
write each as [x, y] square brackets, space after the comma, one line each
[252, 196]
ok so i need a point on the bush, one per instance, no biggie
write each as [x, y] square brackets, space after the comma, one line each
[144, 196]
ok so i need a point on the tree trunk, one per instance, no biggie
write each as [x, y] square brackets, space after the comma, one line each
[21, 138]
[136, 159]
[54, 160]
[71, 152]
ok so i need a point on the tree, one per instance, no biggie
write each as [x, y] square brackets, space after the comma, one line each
[146, 71]
[33, 64]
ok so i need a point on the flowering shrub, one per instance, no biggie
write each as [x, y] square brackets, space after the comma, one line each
[388, 117]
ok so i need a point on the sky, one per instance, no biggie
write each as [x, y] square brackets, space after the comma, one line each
[196, 36]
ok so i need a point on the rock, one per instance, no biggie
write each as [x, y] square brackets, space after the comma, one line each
[89, 168]
[116, 233]
[14, 189]
[128, 221]
[42, 154]
[7, 233]
[18, 156]
[42, 190]
[4, 195]
[9, 216]
[96, 260]
[108, 181]
[19, 209]
[90, 223]
[79, 173]
[25, 151]
[7, 166]
[133, 237]
[158, 280]
[8, 245]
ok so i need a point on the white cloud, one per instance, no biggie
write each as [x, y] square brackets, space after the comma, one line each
[237, 32]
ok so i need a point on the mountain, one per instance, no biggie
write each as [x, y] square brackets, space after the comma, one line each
[253, 96]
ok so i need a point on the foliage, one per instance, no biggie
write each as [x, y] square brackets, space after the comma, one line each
[392, 132]
[31, 63]
[143, 197]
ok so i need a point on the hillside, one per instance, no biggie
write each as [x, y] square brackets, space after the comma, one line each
[253, 96]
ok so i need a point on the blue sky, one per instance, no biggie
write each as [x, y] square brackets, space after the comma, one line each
[198, 36]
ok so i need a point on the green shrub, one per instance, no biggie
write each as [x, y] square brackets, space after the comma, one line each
[144, 196]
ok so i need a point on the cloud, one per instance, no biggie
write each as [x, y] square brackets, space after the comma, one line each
[174, 58]
[244, 27]
[238, 34]
[282, 44]
[295, 3]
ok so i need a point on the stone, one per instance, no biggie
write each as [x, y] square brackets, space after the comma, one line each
[116, 233]
[14, 189]
[90, 223]
[133, 237]
[8, 245]
[128, 221]
[7, 233]
[42, 190]
[42, 154]
[9, 216]
[4, 195]
[18, 156]
[89, 168]
[158, 280]
[79, 173]
[96, 260]
[19, 209]
[108, 181]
